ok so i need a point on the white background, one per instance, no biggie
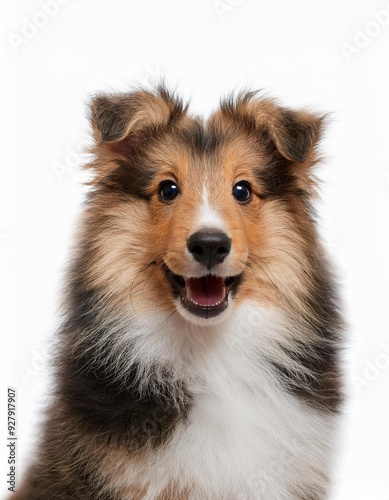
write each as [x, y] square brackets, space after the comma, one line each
[306, 53]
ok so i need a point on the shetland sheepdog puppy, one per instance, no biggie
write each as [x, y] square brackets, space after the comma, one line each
[199, 354]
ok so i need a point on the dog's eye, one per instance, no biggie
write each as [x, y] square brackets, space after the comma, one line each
[168, 190]
[242, 191]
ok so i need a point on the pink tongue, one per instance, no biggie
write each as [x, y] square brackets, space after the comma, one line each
[206, 291]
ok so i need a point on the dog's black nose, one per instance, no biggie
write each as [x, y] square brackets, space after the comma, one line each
[209, 248]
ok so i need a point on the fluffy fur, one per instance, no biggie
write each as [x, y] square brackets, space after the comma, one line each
[157, 397]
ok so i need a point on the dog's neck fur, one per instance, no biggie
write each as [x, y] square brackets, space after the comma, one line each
[221, 392]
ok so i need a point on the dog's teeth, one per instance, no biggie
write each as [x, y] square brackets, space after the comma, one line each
[210, 305]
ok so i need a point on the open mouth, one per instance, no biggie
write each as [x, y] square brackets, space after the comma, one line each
[206, 296]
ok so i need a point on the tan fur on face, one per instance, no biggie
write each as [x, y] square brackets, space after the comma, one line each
[175, 222]
[267, 243]
[122, 250]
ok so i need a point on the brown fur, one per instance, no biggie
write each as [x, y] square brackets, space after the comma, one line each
[127, 236]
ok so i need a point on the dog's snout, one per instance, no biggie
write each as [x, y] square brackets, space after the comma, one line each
[209, 248]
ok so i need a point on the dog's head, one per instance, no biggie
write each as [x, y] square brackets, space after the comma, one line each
[197, 216]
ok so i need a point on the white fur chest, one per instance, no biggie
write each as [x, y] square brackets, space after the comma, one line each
[245, 437]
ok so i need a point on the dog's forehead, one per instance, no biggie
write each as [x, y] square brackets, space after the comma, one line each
[201, 151]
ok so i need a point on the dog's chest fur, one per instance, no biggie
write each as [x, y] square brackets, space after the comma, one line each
[245, 436]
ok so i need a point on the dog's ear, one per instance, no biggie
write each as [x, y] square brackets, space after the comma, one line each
[122, 123]
[294, 133]
[115, 117]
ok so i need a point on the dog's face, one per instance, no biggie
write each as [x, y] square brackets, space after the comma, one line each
[196, 216]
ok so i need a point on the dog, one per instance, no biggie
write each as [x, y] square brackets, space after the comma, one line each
[200, 352]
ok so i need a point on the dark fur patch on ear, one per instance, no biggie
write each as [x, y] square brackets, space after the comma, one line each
[297, 135]
[115, 116]
[110, 115]
[294, 133]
